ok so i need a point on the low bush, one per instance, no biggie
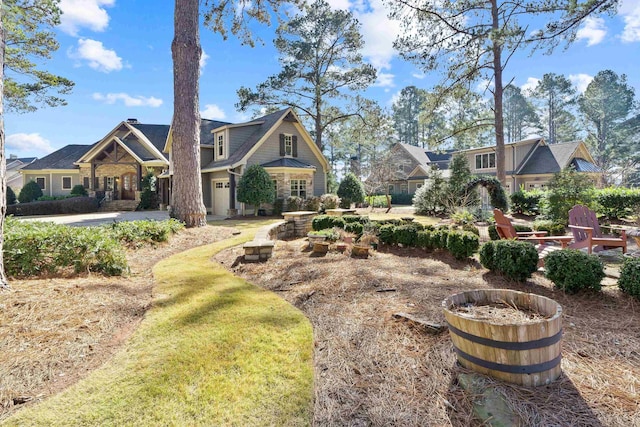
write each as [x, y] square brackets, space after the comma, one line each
[11, 197]
[37, 248]
[329, 233]
[139, 233]
[386, 234]
[354, 227]
[629, 281]
[440, 236]
[30, 192]
[526, 202]
[55, 207]
[312, 204]
[424, 239]
[405, 235]
[462, 216]
[277, 207]
[493, 233]
[329, 201]
[321, 222]
[400, 199]
[462, 244]
[355, 218]
[470, 228]
[294, 204]
[552, 228]
[572, 270]
[78, 190]
[514, 259]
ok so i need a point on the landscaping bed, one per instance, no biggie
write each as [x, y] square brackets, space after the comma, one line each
[54, 331]
[373, 369]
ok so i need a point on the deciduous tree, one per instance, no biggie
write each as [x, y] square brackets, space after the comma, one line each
[321, 61]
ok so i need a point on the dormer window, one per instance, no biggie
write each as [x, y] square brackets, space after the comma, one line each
[486, 161]
[220, 147]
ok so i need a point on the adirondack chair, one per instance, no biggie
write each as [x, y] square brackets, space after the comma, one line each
[506, 230]
[587, 234]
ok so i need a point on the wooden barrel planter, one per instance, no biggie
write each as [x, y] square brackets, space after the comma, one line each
[321, 247]
[360, 251]
[523, 349]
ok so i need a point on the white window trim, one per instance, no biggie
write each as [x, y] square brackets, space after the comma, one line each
[44, 181]
[299, 187]
[488, 161]
[70, 182]
[290, 137]
[225, 146]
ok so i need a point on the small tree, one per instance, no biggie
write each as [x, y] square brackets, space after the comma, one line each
[11, 197]
[78, 191]
[149, 196]
[350, 191]
[30, 192]
[566, 189]
[429, 198]
[256, 187]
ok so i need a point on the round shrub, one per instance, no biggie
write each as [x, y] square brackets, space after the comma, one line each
[493, 233]
[572, 270]
[405, 235]
[11, 197]
[329, 201]
[312, 204]
[387, 234]
[462, 244]
[470, 228]
[30, 192]
[515, 259]
[294, 203]
[79, 190]
[629, 281]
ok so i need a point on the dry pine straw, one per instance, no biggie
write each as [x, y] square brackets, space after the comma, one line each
[54, 331]
[373, 370]
[501, 313]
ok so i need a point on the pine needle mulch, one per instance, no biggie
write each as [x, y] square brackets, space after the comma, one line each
[371, 369]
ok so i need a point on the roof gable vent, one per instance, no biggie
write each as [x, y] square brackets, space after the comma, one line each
[133, 121]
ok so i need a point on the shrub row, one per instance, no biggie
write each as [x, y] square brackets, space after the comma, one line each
[461, 244]
[37, 248]
[72, 205]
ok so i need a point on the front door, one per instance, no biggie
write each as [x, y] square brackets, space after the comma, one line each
[128, 181]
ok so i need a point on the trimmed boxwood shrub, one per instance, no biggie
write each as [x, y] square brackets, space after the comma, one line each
[405, 235]
[629, 281]
[55, 207]
[515, 259]
[572, 270]
[462, 244]
[424, 239]
[78, 190]
[321, 222]
[354, 227]
[386, 234]
[362, 219]
[527, 202]
[552, 228]
[440, 237]
[30, 192]
[470, 228]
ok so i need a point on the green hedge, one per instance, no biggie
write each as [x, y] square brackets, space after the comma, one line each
[629, 281]
[462, 244]
[551, 227]
[139, 233]
[572, 270]
[376, 201]
[515, 259]
[401, 199]
[526, 202]
[72, 205]
[322, 222]
[616, 202]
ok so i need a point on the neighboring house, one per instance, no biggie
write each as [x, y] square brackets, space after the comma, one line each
[413, 164]
[529, 163]
[114, 166]
[14, 177]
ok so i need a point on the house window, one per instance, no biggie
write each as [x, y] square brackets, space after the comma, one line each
[219, 185]
[110, 183]
[220, 146]
[66, 183]
[85, 182]
[392, 189]
[40, 181]
[288, 145]
[404, 189]
[486, 161]
[299, 188]
[275, 186]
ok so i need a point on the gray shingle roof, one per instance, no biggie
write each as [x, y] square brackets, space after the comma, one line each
[139, 149]
[262, 124]
[549, 158]
[287, 162]
[417, 153]
[206, 126]
[60, 159]
[156, 134]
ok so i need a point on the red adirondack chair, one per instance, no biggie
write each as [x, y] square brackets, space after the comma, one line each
[587, 234]
[506, 230]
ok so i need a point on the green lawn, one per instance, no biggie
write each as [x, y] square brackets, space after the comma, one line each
[213, 350]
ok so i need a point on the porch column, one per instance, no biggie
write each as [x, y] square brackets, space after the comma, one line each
[92, 182]
[139, 172]
[232, 191]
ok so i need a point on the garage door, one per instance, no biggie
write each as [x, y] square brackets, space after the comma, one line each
[220, 197]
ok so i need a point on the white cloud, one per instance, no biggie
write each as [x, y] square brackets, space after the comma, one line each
[530, 85]
[339, 4]
[90, 14]
[98, 58]
[593, 31]
[31, 143]
[203, 60]
[378, 32]
[212, 111]
[630, 12]
[128, 100]
[384, 80]
[580, 81]
[419, 76]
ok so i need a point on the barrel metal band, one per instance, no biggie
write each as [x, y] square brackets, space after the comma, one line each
[508, 345]
[510, 369]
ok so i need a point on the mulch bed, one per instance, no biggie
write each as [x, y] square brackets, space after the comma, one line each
[373, 369]
[54, 331]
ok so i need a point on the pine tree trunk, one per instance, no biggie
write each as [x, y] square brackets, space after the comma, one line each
[497, 96]
[3, 161]
[187, 204]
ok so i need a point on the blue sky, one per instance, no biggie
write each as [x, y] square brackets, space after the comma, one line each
[118, 53]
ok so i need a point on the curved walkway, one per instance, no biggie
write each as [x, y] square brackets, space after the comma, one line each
[99, 218]
[213, 350]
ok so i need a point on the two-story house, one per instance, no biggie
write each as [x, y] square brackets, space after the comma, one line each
[113, 167]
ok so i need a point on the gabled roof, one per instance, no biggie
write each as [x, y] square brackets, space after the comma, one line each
[64, 158]
[287, 162]
[262, 127]
[582, 165]
[206, 126]
[425, 158]
[138, 149]
[419, 154]
[553, 158]
[156, 134]
[493, 146]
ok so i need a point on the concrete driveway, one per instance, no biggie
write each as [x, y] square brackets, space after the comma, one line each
[98, 218]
